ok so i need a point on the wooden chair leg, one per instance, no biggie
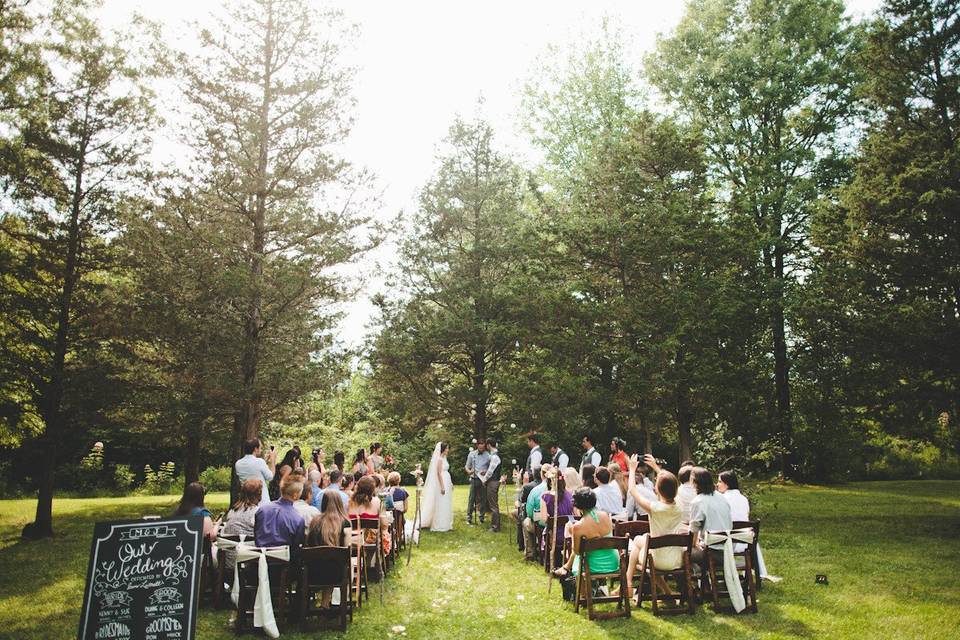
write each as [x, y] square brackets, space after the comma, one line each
[688, 577]
[654, 596]
[751, 585]
[588, 582]
[624, 596]
[576, 596]
[714, 587]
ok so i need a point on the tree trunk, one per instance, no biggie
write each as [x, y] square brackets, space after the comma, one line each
[610, 386]
[251, 407]
[191, 454]
[781, 366]
[52, 400]
[647, 440]
[684, 410]
[479, 396]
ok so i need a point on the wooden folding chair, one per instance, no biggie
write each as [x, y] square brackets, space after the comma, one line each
[630, 528]
[368, 551]
[399, 531]
[249, 582]
[221, 574]
[752, 547]
[552, 525]
[325, 568]
[208, 573]
[718, 583]
[683, 576]
[586, 578]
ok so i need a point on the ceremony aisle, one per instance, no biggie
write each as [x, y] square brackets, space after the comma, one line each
[471, 584]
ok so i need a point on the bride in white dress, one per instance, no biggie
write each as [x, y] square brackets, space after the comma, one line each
[436, 513]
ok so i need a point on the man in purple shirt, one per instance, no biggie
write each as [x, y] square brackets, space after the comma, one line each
[277, 523]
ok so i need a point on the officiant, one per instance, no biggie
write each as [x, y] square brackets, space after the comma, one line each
[478, 461]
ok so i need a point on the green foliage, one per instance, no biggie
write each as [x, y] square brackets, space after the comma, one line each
[216, 478]
[123, 478]
[160, 481]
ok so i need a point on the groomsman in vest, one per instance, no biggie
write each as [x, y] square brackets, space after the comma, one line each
[560, 459]
[477, 463]
[535, 459]
[491, 482]
[592, 456]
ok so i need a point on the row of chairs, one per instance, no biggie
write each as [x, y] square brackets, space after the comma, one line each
[296, 586]
[682, 598]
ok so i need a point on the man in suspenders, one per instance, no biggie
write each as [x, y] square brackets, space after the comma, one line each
[592, 456]
[560, 459]
[535, 459]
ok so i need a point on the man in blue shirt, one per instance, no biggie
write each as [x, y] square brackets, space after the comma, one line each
[278, 523]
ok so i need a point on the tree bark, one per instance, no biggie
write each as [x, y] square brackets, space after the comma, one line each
[781, 368]
[479, 396]
[610, 386]
[191, 454]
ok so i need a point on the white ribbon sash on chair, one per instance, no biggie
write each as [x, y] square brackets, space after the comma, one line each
[263, 605]
[730, 575]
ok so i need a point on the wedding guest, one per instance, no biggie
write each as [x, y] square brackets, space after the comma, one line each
[532, 507]
[304, 507]
[239, 520]
[572, 479]
[687, 492]
[560, 458]
[277, 523]
[709, 512]
[339, 459]
[360, 463]
[382, 492]
[290, 462]
[565, 507]
[364, 503]
[491, 482]
[520, 503]
[315, 480]
[399, 494]
[591, 455]
[252, 467]
[618, 476]
[336, 484]
[592, 524]
[588, 476]
[729, 487]
[191, 504]
[618, 453]
[332, 529]
[348, 484]
[665, 517]
[609, 498]
[375, 459]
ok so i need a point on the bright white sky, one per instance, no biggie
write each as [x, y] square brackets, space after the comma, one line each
[421, 62]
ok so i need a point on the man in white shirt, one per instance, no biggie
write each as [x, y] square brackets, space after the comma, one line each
[252, 467]
[609, 496]
[592, 456]
[560, 459]
[686, 493]
[535, 459]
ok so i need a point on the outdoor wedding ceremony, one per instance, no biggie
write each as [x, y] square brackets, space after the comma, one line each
[440, 319]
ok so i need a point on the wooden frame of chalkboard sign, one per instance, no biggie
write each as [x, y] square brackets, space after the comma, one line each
[143, 580]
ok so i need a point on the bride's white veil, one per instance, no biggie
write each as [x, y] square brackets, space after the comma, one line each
[431, 490]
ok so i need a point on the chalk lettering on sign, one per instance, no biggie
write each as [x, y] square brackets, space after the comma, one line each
[113, 631]
[165, 595]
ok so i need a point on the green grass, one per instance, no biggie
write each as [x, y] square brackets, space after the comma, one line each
[890, 551]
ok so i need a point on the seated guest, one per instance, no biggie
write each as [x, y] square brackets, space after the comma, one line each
[239, 520]
[609, 498]
[587, 476]
[191, 504]
[532, 519]
[364, 503]
[565, 507]
[520, 503]
[306, 510]
[398, 493]
[664, 519]
[729, 487]
[709, 512]
[382, 492]
[336, 480]
[315, 480]
[572, 480]
[277, 523]
[592, 524]
[329, 529]
[687, 492]
[618, 476]
[347, 484]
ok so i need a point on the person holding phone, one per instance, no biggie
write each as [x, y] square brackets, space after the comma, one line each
[252, 467]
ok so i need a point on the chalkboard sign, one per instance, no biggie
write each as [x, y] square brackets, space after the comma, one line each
[143, 580]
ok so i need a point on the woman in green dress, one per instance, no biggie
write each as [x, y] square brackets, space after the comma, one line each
[592, 524]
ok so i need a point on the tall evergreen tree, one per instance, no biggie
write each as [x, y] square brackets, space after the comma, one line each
[80, 145]
[769, 83]
[269, 97]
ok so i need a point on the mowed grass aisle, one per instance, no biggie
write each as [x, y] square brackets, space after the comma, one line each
[890, 551]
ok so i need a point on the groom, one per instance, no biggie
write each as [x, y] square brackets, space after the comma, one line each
[490, 479]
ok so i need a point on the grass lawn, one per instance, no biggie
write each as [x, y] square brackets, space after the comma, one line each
[890, 551]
